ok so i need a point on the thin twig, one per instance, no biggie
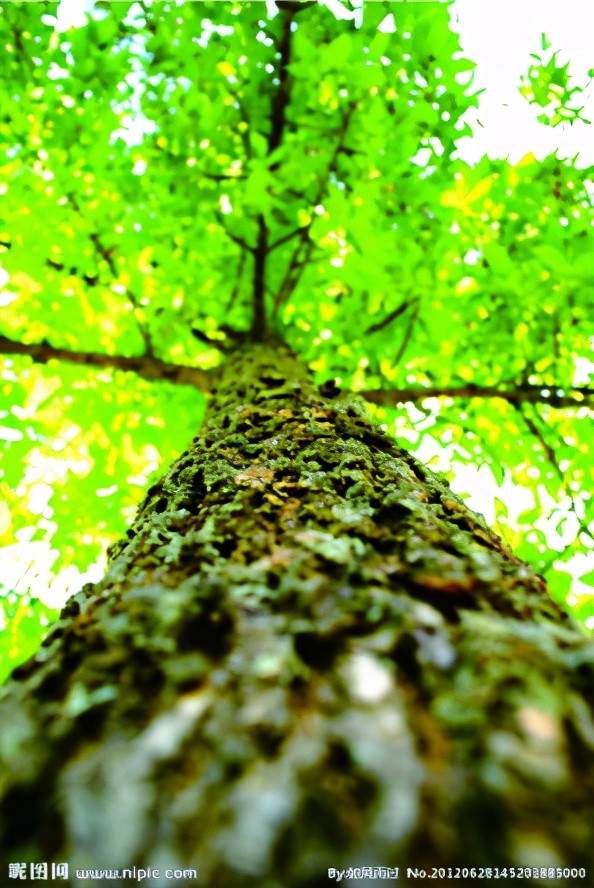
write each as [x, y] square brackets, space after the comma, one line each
[236, 240]
[213, 343]
[552, 460]
[381, 325]
[221, 178]
[107, 255]
[408, 333]
[285, 238]
[298, 261]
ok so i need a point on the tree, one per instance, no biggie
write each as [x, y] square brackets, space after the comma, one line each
[307, 652]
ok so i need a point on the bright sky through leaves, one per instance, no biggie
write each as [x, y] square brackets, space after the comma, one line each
[499, 37]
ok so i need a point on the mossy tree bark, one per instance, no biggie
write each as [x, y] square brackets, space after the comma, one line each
[308, 653]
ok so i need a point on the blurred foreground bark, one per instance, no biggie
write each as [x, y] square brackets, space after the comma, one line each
[308, 653]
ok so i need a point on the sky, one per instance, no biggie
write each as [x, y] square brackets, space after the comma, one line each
[499, 36]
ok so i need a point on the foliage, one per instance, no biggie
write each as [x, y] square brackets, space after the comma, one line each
[167, 169]
[547, 84]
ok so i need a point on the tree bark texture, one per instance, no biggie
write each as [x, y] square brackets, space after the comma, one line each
[307, 653]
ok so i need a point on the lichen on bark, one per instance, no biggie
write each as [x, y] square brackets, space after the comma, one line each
[306, 653]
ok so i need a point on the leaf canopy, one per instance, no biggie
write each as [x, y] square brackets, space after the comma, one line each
[173, 176]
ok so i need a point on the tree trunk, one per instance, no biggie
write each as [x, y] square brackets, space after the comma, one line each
[307, 654]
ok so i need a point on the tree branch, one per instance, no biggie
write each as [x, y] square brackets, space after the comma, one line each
[145, 366]
[531, 394]
[282, 95]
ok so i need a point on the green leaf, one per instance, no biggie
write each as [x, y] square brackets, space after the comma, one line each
[543, 41]
[552, 258]
[587, 578]
[337, 53]
[583, 267]
[259, 143]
